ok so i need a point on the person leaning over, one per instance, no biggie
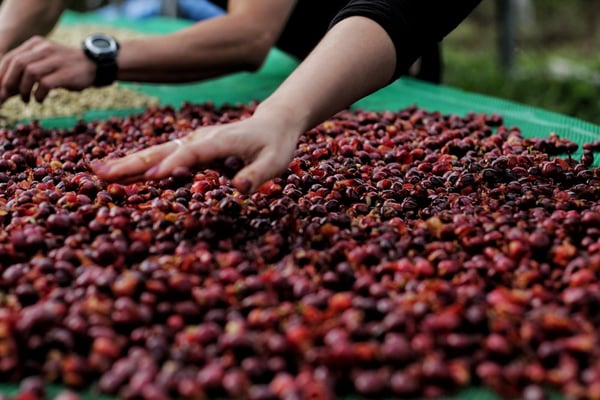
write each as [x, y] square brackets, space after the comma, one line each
[358, 47]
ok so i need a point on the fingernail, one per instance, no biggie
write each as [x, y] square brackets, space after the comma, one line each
[152, 172]
[243, 185]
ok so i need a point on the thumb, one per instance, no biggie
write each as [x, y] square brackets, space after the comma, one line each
[265, 167]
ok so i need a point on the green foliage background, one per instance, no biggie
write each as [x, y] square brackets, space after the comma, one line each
[561, 35]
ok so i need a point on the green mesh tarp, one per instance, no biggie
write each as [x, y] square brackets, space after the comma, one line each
[247, 87]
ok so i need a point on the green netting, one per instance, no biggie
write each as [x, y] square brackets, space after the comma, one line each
[246, 87]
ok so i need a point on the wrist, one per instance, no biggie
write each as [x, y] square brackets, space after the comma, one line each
[286, 119]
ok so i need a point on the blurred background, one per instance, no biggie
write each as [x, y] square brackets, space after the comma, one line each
[543, 53]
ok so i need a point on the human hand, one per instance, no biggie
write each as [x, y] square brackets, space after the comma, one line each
[265, 146]
[49, 64]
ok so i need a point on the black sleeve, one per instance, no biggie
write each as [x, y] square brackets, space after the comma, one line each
[413, 25]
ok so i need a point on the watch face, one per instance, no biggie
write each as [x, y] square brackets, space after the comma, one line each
[101, 46]
[101, 43]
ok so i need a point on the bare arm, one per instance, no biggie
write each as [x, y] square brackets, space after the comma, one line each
[355, 58]
[22, 19]
[369, 45]
[239, 40]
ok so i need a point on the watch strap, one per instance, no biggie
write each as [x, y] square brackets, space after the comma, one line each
[106, 67]
[106, 72]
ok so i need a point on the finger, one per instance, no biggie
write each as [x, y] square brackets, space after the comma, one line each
[133, 166]
[12, 78]
[124, 180]
[4, 63]
[8, 57]
[52, 81]
[34, 73]
[3, 95]
[266, 166]
[186, 153]
[41, 92]
[59, 78]
[74, 76]
[130, 179]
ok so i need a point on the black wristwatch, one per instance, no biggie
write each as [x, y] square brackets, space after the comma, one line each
[103, 50]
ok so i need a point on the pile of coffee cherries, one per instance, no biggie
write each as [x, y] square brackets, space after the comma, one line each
[403, 254]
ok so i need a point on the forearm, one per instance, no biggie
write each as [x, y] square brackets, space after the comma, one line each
[22, 19]
[208, 49]
[367, 38]
[354, 59]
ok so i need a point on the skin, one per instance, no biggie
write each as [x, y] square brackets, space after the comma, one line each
[355, 58]
[240, 40]
[22, 19]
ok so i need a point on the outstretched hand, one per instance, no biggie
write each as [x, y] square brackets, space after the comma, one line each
[46, 63]
[265, 148]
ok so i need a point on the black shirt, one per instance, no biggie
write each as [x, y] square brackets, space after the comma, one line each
[306, 26]
[413, 25]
